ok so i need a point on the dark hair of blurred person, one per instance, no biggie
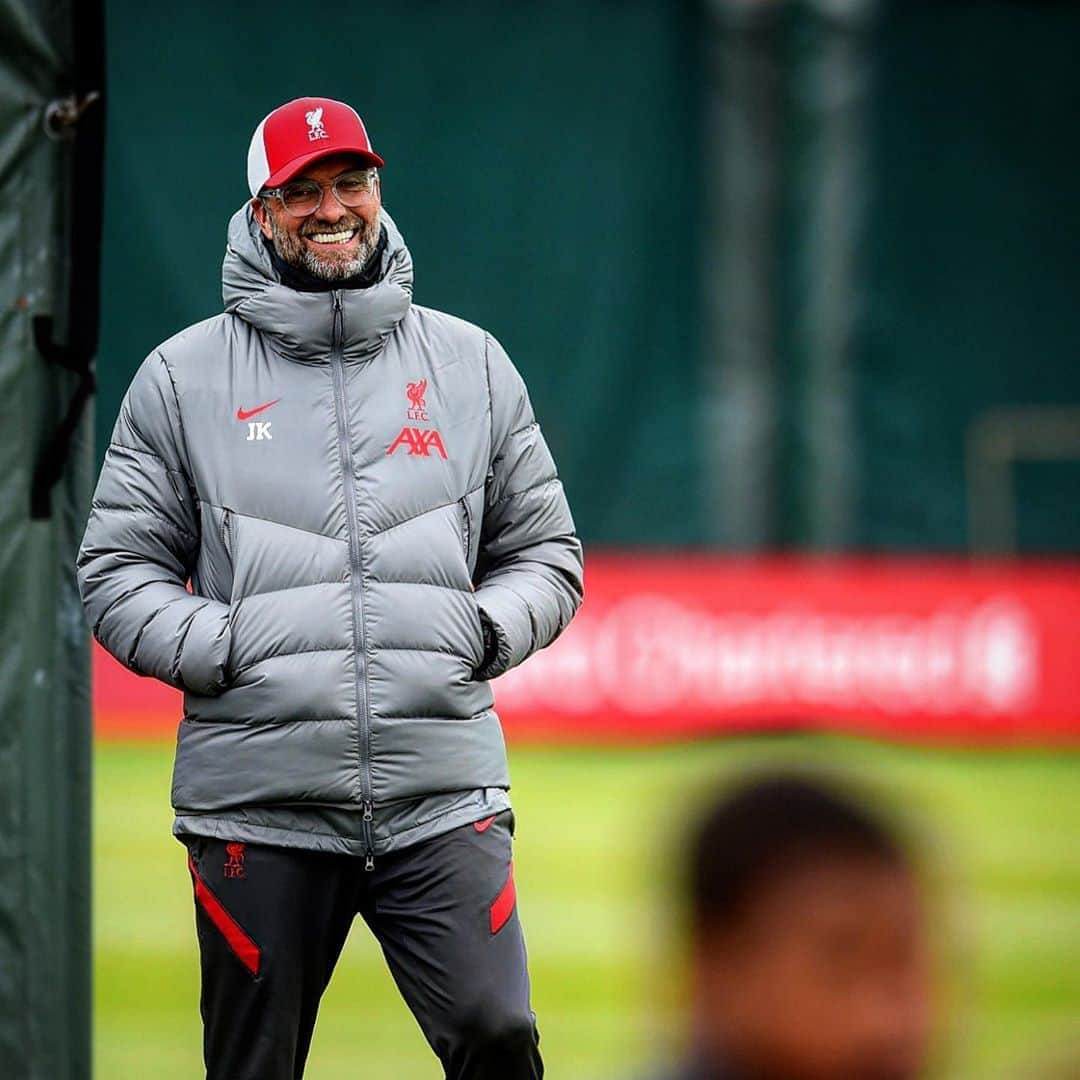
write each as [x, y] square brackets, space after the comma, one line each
[808, 946]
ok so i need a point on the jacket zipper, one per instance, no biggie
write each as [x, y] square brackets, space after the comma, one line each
[356, 565]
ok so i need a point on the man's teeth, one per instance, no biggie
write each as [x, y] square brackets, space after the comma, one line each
[332, 237]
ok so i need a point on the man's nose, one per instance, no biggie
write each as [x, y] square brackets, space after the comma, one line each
[329, 209]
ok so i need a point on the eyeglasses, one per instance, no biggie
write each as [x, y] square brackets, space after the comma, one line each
[303, 197]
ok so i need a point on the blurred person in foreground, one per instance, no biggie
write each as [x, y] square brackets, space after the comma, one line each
[808, 947]
[373, 528]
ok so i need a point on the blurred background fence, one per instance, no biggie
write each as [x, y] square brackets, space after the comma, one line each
[778, 275]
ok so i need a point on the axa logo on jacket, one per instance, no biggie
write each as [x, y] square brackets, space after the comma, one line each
[420, 441]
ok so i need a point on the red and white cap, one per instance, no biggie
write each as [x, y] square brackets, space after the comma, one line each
[300, 132]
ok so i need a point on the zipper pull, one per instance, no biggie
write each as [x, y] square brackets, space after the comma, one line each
[368, 810]
[177, 488]
[369, 862]
[339, 320]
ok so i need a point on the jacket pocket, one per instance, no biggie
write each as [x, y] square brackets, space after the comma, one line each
[466, 529]
[226, 531]
[476, 659]
[228, 542]
[229, 523]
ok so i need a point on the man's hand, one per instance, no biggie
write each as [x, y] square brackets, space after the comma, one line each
[491, 645]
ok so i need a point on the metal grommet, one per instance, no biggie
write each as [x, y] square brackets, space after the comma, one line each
[62, 114]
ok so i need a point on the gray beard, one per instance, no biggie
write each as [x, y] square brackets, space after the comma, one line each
[293, 251]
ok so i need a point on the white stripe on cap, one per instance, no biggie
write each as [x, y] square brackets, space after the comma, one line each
[258, 165]
[367, 138]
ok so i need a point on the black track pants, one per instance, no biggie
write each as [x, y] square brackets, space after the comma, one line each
[271, 923]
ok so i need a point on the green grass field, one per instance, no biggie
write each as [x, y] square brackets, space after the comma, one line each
[596, 830]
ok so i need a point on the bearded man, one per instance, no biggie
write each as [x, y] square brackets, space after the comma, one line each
[373, 528]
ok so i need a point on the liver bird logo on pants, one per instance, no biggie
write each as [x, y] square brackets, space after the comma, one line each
[234, 861]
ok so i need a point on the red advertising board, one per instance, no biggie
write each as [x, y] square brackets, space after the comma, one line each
[688, 644]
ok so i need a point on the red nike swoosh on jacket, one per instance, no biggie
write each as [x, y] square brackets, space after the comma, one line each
[244, 414]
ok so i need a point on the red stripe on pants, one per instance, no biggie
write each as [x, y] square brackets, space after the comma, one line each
[246, 949]
[503, 906]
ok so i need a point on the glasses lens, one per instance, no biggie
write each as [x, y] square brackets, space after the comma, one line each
[301, 198]
[352, 187]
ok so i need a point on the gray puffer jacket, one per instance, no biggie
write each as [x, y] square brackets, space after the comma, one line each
[348, 479]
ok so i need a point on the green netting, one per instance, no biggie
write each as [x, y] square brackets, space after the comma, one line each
[44, 658]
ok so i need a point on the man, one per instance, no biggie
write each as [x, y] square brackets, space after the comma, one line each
[373, 528]
[808, 948]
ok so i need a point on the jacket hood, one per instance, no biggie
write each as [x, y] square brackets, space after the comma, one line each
[301, 323]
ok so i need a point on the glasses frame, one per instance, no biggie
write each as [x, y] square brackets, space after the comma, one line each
[276, 192]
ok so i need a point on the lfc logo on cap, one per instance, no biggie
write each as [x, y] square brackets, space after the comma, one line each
[315, 125]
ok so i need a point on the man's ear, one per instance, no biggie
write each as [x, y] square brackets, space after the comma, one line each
[262, 216]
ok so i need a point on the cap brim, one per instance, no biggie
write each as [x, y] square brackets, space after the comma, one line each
[287, 172]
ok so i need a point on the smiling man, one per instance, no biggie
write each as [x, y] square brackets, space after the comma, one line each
[372, 526]
[336, 238]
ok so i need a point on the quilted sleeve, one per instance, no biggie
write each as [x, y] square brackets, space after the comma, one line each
[140, 543]
[530, 565]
